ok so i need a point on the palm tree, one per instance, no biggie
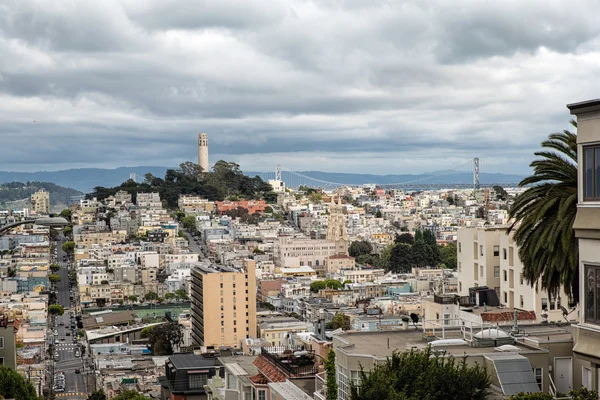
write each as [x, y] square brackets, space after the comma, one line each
[544, 215]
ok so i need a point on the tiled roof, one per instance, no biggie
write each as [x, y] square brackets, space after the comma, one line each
[268, 370]
[507, 316]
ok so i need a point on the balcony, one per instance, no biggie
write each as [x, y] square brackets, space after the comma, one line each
[294, 363]
[320, 386]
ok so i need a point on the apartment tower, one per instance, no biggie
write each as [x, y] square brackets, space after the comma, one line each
[223, 304]
[40, 202]
[203, 151]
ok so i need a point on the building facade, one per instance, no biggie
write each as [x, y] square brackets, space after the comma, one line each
[586, 334]
[223, 304]
[40, 202]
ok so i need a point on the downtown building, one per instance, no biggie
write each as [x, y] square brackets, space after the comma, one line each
[223, 304]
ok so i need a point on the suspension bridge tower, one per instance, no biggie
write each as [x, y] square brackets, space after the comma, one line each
[476, 184]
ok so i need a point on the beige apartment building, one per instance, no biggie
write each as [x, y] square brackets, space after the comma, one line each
[291, 252]
[223, 304]
[478, 258]
[586, 334]
[40, 202]
[489, 257]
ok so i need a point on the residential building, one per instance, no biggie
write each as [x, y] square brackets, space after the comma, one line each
[186, 375]
[223, 304]
[489, 257]
[40, 202]
[586, 334]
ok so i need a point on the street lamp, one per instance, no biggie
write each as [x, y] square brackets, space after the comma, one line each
[51, 222]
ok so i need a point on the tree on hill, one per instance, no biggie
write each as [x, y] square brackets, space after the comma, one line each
[225, 180]
[14, 191]
[448, 255]
[66, 214]
[544, 214]
[360, 247]
[405, 238]
[189, 223]
[417, 374]
[181, 294]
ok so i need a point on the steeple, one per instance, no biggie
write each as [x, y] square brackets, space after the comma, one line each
[336, 226]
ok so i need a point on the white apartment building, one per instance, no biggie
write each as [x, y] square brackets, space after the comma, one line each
[40, 202]
[304, 252]
[489, 257]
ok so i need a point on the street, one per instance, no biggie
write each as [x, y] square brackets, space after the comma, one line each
[65, 341]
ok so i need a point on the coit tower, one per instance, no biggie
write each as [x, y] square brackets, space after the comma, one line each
[203, 151]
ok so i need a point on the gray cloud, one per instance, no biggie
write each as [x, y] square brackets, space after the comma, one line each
[380, 87]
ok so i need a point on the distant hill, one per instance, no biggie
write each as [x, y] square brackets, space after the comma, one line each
[19, 192]
[85, 179]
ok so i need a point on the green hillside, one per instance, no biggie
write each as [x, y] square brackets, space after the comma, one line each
[18, 191]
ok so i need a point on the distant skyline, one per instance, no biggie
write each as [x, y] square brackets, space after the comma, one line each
[380, 87]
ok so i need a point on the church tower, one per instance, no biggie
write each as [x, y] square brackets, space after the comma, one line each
[336, 226]
[203, 151]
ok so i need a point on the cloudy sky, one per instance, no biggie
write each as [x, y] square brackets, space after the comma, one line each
[339, 85]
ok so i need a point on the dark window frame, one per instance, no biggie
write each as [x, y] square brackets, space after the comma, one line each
[591, 287]
[595, 169]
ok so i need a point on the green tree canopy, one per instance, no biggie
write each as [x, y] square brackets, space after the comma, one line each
[56, 309]
[378, 214]
[163, 339]
[97, 395]
[181, 294]
[360, 247]
[151, 296]
[315, 286]
[67, 231]
[405, 238]
[169, 296]
[189, 223]
[332, 387]
[417, 375]
[340, 321]
[14, 386]
[66, 214]
[54, 278]
[131, 395]
[132, 298]
[448, 255]
[54, 267]
[68, 247]
[544, 215]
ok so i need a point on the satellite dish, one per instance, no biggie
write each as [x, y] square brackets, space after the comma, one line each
[415, 319]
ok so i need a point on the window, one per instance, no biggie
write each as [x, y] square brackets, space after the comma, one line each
[197, 381]
[481, 271]
[544, 303]
[522, 301]
[538, 372]
[231, 382]
[459, 266]
[504, 253]
[460, 286]
[592, 294]
[505, 275]
[497, 271]
[1, 342]
[505, 297]
[481, 249]
[459, 247]
[591, 172]
[521, 279]
[586, 378]
[496, 251]
[262, 395]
